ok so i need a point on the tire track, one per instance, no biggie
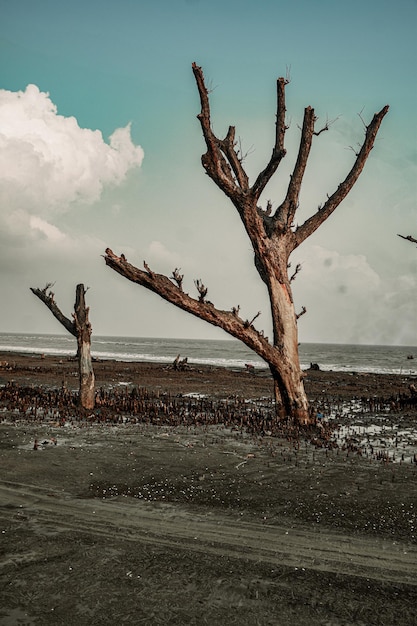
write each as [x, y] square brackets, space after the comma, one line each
[173, 526]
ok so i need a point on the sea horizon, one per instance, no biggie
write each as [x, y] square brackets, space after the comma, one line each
[227, 352]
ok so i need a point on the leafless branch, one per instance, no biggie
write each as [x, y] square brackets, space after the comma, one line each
[220, 161]
[49, 300]
[285, 213]
[47, 286]
[278, 152]
[296, 271]
[202, 290]
[326, 126]
[361, 118]
[177, 277]
[355, 152]
[146, 266]
[210, 87]
[163, 286]
[249, 323]
[333, 201]
[240, 154]
[303, 310]
[408, 238]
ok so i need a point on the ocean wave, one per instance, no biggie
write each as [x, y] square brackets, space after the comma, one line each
[218, 353]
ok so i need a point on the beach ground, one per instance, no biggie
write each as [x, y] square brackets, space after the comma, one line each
[199, 524]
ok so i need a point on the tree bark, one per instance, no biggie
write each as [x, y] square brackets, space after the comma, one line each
[85, 367]
[80, 328]
[273, 238]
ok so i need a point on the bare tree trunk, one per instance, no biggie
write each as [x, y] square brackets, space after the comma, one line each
[273, 238]
[85, 367]
[80, 328]
[290, 396]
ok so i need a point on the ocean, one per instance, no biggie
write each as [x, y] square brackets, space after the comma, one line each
[223, 353]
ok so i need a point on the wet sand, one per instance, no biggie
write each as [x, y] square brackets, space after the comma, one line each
[201, 524]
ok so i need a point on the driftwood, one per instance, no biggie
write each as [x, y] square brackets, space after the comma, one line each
[180, 364]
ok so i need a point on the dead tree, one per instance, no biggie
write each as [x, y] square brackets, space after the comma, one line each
[273, 236]
[80, 328]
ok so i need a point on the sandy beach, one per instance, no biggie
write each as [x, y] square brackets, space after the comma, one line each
[115, 519]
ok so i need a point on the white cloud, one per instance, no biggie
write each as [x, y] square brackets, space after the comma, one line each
[159, 254]
[50, 231]
[49, 167]
[348, 301]
[47, 162]
[332, 271]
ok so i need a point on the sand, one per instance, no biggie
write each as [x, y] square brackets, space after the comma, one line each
[149, 523]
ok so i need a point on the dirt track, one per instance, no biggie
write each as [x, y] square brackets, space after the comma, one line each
[208, 535]
[170, 525]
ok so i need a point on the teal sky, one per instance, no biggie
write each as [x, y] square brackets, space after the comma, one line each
[113, 63]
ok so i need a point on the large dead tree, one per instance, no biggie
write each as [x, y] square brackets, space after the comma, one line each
[80, 328]
[274, 236]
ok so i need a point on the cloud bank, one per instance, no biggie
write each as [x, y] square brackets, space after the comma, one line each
[49, 164]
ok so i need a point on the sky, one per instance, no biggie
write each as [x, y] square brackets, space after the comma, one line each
[100, 147]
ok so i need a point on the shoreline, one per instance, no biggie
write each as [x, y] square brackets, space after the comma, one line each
[218, 381]
[402, 364]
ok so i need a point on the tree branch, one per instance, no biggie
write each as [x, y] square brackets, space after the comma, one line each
[223, 171]
[250, 323]
[302, 312]
[296, 271]
[285, 213]
[229, 321]
[278, 152]
[202, 289]
[408, 238]
[177, 277]
[325, 127]
[312, 223]
[228, 147]
[48, 299]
